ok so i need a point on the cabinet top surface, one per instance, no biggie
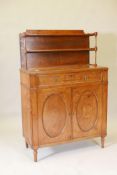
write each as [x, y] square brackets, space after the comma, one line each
[66, 68]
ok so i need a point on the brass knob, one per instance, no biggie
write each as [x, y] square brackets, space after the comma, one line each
[85, 77]
[56, 79]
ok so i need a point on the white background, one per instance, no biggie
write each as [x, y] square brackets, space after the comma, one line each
[18, 15]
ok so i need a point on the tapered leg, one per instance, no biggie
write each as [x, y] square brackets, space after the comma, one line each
[26, 144]
[35, 155]
[102, 142]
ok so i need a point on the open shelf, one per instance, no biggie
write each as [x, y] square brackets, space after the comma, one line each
[61, 50]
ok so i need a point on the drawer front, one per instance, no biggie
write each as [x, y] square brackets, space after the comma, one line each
[51, 79]
[93, 76]
[79, 77]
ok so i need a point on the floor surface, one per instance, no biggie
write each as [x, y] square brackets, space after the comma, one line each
[79, 158]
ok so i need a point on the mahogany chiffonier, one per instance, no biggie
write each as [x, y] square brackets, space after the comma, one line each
[64, 96]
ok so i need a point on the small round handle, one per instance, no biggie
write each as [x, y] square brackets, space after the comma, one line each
[85, 77]
[56, 79]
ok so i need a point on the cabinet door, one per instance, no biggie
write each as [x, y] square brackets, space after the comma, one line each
[87, 111]
[54, 115]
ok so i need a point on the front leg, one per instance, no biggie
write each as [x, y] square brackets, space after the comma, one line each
[26, 144]
[35, 155]
[102, 141]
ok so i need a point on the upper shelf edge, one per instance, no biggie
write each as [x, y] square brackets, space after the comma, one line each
[56, 33]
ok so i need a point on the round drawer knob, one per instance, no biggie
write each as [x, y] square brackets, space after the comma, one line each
[71, 76]
[56, 79]
[85, 77]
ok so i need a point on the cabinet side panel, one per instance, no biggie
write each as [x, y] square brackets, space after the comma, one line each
[26, 114]
[104, 103]
[26, 106]
[34, 115]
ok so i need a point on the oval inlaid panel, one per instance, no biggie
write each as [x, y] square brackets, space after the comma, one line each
[54, 115]
[87, 109]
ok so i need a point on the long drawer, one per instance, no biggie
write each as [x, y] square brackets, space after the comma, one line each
[68, 78]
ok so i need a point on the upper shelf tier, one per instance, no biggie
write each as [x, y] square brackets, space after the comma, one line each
[44, 48]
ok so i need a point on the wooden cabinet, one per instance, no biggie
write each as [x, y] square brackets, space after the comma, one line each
[63, 99]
